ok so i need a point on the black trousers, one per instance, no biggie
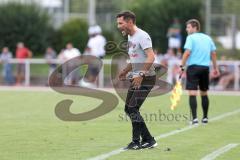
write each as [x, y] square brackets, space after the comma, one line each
[134, 100]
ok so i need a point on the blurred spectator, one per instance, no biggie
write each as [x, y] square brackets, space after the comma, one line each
[225, 80]
[60, 55]
[169, 57]
[50, 55]
[95, 47]
[69, 53]
[158, 57]
[171, 61]
[22, 53]
[226, 76]
[174, 36]
[6, 55]
[96, 43]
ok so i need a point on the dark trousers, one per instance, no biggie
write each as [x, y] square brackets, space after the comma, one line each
[134, 100]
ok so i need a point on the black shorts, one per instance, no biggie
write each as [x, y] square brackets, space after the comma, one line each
[197, 78]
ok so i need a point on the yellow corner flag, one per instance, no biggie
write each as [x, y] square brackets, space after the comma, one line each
[176, 95]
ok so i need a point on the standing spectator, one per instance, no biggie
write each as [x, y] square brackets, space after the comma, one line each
[95, 47]
[6, 55]
[171, 61]
[226, 77]
[22, 53]
[174, 36]
[158, 57]
[61, 56]
[69, 53]
[49, 56]
[96, 43]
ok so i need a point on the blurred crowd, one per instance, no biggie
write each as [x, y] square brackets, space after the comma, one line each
[171, 60]
[96, 47]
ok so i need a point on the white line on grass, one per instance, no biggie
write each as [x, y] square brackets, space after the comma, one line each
[219, 152]
[120, 150]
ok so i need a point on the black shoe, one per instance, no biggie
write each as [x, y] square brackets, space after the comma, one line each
[204, 120]
[149, 144]
[133, 146]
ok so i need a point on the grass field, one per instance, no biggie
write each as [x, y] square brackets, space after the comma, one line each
[29, 129]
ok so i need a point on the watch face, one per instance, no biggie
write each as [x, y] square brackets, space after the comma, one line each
[141, 74]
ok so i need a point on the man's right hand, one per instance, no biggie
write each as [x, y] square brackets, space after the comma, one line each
[122, 75]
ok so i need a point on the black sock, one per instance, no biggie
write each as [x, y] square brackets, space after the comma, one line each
[193, 105]
[205, 104]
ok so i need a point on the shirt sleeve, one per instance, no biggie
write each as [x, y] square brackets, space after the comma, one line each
[213, 47]
[145, 42]
[78, 53]
[188, 44]
[89, 45]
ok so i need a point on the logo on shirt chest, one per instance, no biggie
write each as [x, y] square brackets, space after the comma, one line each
[131, 45]
[133, 55]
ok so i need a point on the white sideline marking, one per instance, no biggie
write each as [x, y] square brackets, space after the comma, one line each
[118, 151]
[218, 152]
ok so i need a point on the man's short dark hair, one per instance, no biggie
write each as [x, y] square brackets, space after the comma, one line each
[127, 15]
[194, 23]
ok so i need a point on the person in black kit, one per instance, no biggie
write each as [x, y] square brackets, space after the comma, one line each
[143, 78]
[199, 51]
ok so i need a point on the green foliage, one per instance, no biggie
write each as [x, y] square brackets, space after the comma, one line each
[232, 7]
[78, 6]
[74, 31]
[156, 16]
[108, 35]
[26, 23]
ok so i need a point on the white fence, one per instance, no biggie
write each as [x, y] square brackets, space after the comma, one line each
[235, 69]
[28, 62]
[234, 64]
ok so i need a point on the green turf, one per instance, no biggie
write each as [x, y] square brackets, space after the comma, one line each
[29, 129]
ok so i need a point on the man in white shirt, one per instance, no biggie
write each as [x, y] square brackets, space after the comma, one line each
[96, 43]
[95, 47]
[69, 53]
[141, 65]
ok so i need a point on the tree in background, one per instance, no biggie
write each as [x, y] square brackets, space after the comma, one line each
[26, 23]
[232, 7]
[75, 31]
[156, 16]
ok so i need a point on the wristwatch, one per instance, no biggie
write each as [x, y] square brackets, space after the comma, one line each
[142, 74]
[182, 67]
